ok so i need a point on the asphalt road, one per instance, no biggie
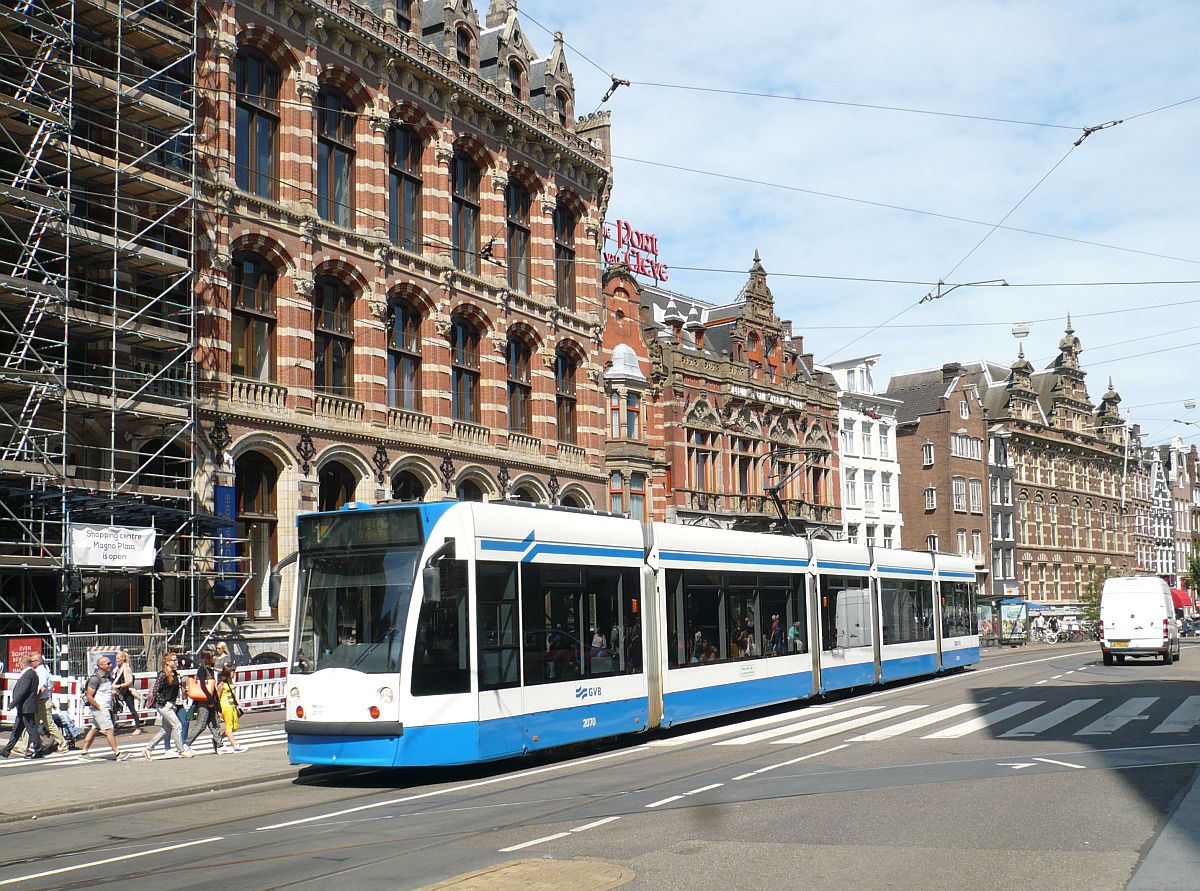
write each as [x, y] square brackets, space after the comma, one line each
[1039, 769]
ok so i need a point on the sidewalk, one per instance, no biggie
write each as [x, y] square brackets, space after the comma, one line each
[63, 783]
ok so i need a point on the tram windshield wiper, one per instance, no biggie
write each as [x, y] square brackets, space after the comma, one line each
[387, 638]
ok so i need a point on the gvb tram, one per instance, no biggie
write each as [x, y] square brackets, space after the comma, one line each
[457, 632]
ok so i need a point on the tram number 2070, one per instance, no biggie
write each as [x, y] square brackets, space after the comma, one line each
[589, 722]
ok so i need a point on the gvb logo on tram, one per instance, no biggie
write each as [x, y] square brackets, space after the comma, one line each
[457, 632]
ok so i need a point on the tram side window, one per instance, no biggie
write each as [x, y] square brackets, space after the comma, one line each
[959, 618]
[496, 616]
[442, 653]
[720, 617]
[907, 607]
[845, 612]
[579, 621]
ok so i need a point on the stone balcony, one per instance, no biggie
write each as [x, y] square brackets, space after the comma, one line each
[330, 406]
[571, 454]
[471, 434]
[524, 444]
[263, 394]
[410, 422]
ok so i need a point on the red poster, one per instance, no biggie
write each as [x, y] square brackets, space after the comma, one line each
[19, 645]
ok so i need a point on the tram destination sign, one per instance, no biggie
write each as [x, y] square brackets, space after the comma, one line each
[112, 547]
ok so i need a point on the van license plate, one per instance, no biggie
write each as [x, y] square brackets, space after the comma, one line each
[1118, 643]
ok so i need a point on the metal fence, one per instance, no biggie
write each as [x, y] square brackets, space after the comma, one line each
[145, 650]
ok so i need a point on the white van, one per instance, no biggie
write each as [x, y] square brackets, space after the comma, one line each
[1137, 618]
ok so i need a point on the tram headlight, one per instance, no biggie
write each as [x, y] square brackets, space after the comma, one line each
[386, 695]
[294, 693]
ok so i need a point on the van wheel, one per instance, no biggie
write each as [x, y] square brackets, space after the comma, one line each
[1177, 655]
[1108, 658]
[1120, 660]
[1168, 659]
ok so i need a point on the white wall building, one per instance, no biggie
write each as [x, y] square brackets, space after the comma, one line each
[870, 466]
[1161, 515]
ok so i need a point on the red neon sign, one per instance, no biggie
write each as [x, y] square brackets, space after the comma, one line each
[637, 250]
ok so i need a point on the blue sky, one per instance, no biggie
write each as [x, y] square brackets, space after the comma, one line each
[1132, 186]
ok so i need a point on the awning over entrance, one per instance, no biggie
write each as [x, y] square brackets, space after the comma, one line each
[1183, 600]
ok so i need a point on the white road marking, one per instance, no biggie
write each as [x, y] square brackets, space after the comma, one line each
[1183, 719]
[982, 721]
[826, 718]
[1061, 763]
[536, 841]
[917, 723]
[1119, 717]
[1045, 722]
[1056, 677]
[1039, 683]
[491, 781]
[1016, 765]
[847, 725]
[94, 863]
[728, 729]
[745, 776]
[705, 789]
[586, 826]
[666, 801]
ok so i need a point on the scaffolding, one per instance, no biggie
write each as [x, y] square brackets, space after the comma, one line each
[97, 306]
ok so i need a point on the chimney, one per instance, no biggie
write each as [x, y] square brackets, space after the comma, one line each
[950, 371]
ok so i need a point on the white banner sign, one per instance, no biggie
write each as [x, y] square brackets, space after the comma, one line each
[112, 545]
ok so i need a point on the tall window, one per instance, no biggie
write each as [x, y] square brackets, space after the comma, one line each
[885, 490]
[702, 460]
[960, 541]
[868, 432]
[742, 461]
[977, 496]
[464, 349]
[562, 105]
[616, 493]
[334, 338]
[335, 158]
[253, 303]
[463, 47]
[959, 487]
[404, 188]
[633, 416]
[517, 202]
[519, 386]
[885, 446]
[516, 80]
[851, 488]
[336, 486]
[257, 131]
[931, 542]
[564, 255]
[403, 16]
[931, 498]
[927, 454]
[564, 396]
[404, 357]
[637, 496]
[464, 186]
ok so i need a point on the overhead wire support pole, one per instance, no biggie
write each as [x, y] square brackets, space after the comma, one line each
[1088, 131]
[938, 293]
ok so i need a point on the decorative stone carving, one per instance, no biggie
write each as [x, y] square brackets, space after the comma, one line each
[304, 286]
[499, 342]
[442, 325]
[307, 88]
[548, 356]
[378, 307]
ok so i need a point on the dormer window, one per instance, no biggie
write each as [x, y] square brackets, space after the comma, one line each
[516, 80]
[562, 103]
[403, 16]
[464, 47]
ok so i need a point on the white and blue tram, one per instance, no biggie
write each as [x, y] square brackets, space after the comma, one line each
[456, 632]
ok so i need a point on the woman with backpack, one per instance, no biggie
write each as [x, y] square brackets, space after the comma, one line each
[202, 690]
[229, 709]
[165, 697]
[123, 694]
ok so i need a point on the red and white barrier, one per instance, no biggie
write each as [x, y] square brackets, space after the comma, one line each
[259, 688]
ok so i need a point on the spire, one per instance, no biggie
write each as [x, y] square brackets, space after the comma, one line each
[756, 268]
[1070, 330]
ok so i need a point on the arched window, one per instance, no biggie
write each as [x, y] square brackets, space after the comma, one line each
[526, 493]
[407, 486]
[334, 339]
[464, 360]
[564, 255]
[517, 201]
[335, 157]
[252, 299]
[562, 106]
[337, 485]
[468, 490]
[571, 500]
[564, 395]
[516, 80]
[462, 40]
[255, 479]
[404, 357]
[519, 385]
[465, 212]
[256, 136]
[404, 187]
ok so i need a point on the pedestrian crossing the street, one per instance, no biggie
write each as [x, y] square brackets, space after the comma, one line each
[1081, 718]
[250, 738]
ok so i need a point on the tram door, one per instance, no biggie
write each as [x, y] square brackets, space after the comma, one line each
[498, 660]
[847, 627]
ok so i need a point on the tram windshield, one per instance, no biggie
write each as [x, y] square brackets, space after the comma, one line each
[352, 610]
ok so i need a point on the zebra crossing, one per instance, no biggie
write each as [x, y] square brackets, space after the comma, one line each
[1084, 718]
[250, 737]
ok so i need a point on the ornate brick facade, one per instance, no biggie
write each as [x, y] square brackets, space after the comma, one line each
[399, 265]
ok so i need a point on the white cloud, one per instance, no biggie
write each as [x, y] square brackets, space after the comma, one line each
[1084, 63]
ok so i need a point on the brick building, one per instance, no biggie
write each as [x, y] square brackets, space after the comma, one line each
[399, 264]
[730, 403]
[941, 439]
